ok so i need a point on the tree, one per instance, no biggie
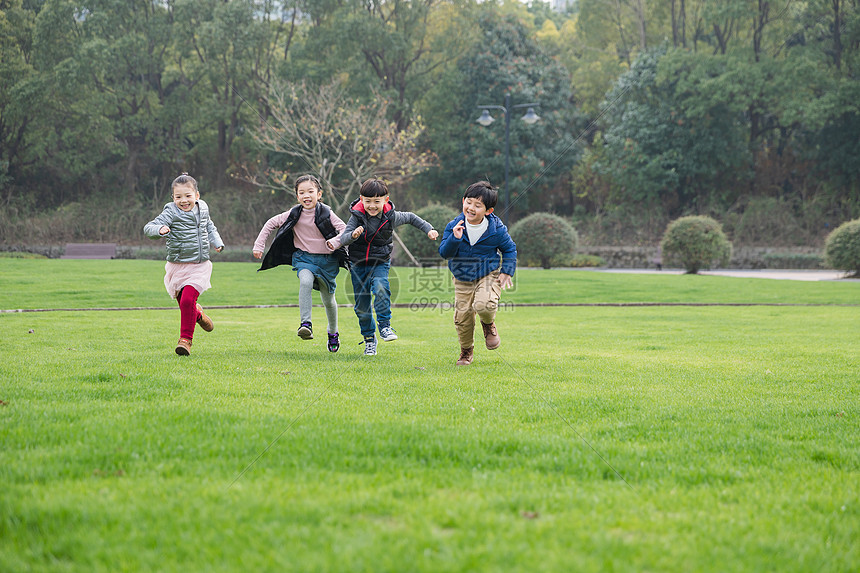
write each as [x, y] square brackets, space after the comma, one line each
[216, 56]
[341, 141]
[16, 25]
[402, 42]
[670, 140]
[99, 92]
[505, 61]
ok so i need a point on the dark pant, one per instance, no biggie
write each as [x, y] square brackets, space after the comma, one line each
[372, 280]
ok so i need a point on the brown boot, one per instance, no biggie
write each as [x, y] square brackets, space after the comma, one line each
[466, 355]
[204, 321]
[183, 347]
[491, 335]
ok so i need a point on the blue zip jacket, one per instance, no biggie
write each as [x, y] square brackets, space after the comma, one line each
[470, 262]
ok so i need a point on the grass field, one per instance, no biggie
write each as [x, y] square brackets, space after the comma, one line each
[675, 438]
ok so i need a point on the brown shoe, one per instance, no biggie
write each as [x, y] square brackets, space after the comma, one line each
[183, 347]
[491, 335]
[204, 321]
[466, 355]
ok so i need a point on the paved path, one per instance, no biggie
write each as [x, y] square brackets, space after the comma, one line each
[795, 275]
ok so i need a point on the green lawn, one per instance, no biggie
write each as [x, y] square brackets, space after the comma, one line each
[595, 439]
[61, 283]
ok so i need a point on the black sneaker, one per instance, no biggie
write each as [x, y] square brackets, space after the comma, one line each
[306, 331]
[333, 342]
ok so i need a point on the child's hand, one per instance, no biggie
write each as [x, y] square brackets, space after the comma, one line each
[433, 233]
[357, 233]
[164, 230]
[459, 228]
[506, 281]
[219, 249]
[258, 254]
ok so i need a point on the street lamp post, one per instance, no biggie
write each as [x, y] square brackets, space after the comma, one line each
[486, 119]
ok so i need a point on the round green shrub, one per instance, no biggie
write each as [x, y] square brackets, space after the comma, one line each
[695, 243]
[842, 248]
[544, 238]
[422, 248]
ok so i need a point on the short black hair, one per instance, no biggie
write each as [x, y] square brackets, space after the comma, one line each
[484, 191]
[374, 188]
[310, 178]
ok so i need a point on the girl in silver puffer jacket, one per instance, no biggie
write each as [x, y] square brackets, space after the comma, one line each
[189, 233]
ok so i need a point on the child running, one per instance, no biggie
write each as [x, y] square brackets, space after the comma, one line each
[301, 242]
[189, 232]
[472, 243]
[369, 235]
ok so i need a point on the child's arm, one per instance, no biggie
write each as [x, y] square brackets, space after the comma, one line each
[337, 222]
[214, 237]
[159, 226]
[407, 217]
[509, 261]
[451, 238]
[272, 224]
[347, 236]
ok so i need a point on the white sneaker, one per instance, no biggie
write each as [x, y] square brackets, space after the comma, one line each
[370, 346]
[387, 333]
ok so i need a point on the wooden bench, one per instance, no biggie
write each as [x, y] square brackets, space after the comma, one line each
[90, 251]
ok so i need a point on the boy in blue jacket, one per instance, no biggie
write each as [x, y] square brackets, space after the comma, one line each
[472, 243]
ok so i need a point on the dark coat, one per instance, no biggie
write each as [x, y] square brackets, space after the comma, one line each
[283, 247]
[374, 246]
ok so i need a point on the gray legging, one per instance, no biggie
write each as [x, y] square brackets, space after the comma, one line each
[306, 290]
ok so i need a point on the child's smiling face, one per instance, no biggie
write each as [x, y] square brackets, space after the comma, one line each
[308, 194]
[475, 210]
[373, 205]
[185, 196]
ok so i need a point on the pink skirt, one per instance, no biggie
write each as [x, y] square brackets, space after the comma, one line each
[178, 275]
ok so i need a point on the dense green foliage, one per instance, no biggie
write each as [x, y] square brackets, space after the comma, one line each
[650, 110]
[544, 239]
[629, 439]
[695, 243]
[422, 248]
[843, 247]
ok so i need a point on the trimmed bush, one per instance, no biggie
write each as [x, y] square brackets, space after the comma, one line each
[7, 255]
[792, 261]
[544, 239]
[842, 248]
[422, 248]
[695, 243]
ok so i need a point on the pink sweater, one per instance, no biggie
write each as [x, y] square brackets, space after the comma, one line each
[306, 236]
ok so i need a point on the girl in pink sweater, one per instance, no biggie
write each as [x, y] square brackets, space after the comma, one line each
[300, 241]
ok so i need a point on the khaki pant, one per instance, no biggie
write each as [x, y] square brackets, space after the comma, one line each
[479, 297]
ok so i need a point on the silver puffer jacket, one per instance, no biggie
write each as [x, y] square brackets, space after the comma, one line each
[191, 233]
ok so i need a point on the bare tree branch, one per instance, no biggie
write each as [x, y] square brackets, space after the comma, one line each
[341, 141]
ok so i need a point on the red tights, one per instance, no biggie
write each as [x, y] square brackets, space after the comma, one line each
[188, 311]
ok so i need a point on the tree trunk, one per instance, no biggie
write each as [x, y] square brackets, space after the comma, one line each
[759, 22]
[837, 34]
[674, 26]
[625, 50]
[640, 18]
[682, 17]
